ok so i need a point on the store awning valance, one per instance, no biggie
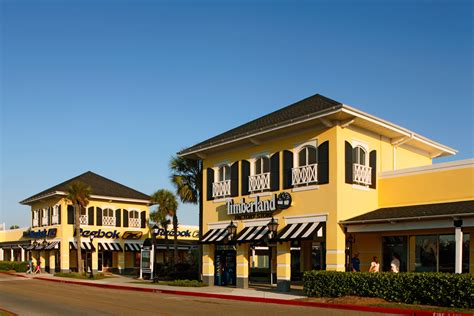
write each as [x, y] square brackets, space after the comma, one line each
[52, 245]
[85, 245]
[214, 235]
[301, 231]
[252, 234]
[110, 246]
[134, 247]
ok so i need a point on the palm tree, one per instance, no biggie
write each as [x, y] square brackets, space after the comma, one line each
[163, 221]
[167, 206]
[186, 176]
[78, 194]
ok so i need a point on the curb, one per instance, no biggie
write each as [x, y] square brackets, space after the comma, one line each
[372, 309]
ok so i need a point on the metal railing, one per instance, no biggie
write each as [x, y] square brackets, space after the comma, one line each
[304, 174]
[134, 222]
[84, 219]
[259, 182]
[221, 188]
[108, 221]
[362, 174]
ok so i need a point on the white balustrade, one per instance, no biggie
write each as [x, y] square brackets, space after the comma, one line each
[35, 222]
[304, 174]
[259, 182]
[84, 220]
[54, 220]
[44, 221]
[362, 174]
[134, 222]
[221, 188]
[108, 221]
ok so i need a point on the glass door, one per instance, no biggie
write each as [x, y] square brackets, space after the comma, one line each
[394, 246]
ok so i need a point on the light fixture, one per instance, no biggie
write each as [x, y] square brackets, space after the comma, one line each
[231, 230]
[272, 227]
[155, 229]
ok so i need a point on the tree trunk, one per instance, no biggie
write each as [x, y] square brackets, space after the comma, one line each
[200, 185]
[77, 224]
[165, 255]
[175, 242]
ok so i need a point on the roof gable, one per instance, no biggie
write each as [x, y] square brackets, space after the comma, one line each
[101, 186]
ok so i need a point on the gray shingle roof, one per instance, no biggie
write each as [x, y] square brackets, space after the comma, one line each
[310, 106]
[415, 212]
[100, 186]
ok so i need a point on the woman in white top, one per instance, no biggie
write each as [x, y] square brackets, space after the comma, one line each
[374, 265]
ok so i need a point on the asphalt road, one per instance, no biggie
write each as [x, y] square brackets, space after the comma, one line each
[36, 297]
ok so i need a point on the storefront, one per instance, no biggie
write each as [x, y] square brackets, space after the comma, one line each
[280, 192]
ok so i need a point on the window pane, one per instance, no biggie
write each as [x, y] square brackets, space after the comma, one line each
[425, 253]
[226, 173]
[302, 157]
[266, 165]
[394, 245]
[361, 156]
[221, 173]
[258, 166]
[465, 253]
[311, 155]
[446, 253]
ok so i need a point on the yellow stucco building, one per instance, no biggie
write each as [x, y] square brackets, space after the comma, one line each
[117, 216]
[313, 183]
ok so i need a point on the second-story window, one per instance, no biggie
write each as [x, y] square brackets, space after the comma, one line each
[306, 172]
[260, 179]
[84, 219]
[361, 169]
[35, 218]
[45, 216]
[360, 156]
[108, 217]
[134, 219]
[55, 217]
[221, 187]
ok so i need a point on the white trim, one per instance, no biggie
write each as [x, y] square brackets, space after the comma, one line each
[395, 226]
[257, 222]
[360, 187]
[111, 198]
[460, 164]
[311, 218]
[335, 251]
[254, 195]
[305, 188]
[406, 218]
[283, 265]
[222, 200]
[208, 274]
[335, 266]
[218, 225]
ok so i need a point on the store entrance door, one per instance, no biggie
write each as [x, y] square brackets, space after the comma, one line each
[225, 267]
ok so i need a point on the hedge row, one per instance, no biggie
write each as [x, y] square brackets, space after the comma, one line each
[18, 266]
[438, 289]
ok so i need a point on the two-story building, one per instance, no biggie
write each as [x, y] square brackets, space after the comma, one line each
[310, 184]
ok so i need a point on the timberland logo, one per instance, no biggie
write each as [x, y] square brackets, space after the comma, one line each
[259, 208]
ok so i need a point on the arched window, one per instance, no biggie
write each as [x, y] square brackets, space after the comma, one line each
[360, 156]
[224, 173]
[134, 214]
[262, 165]
[108, 212]
[307, 156]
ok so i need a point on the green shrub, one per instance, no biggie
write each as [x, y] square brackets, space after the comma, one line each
[439, 289]
[18, 266]
[77, 275]
[185, 283]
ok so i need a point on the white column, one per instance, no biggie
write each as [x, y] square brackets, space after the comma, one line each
[1, 254]
[12, 255]
[458, 237]
[22, 254]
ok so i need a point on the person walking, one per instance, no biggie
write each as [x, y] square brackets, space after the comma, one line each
[38, 267]
[395, 264]
[29, 266]
[355, 262]
[374, 265]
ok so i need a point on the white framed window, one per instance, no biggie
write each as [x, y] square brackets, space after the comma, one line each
[305, 170]
[44, 216]
[134, 219]
[55, 216]
[361, 172]
[259, 179]
[84, 218]
[108, 217]
[35, 218]
[360, 156]
[221, 187]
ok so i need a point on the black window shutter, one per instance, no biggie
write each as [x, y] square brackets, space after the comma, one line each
[287, 169]
[118, 217]
[70, 214]
[245, 177]
[99, 216]
[143, 218]
[59, 214]
[373, 165]
[32, 217]
[210, 181]
[323, 163]
[234, 179]
[349, 162]
[275, 172]
[50, 215]
[125, 218]
[90, 215]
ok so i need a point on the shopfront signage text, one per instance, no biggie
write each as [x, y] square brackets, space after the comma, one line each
[50, 233]
[259, 208]
[181, 233]
[111, 234]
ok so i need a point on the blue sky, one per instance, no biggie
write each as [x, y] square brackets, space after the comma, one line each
[117, 87]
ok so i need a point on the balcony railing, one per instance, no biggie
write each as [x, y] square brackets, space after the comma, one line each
[108, 221]
[44, 221]
[259, 182]
[35, 222]
[134, 222]
[221, 189]
[304, 174]
[362, 174]
[84, 219]
[54, 220]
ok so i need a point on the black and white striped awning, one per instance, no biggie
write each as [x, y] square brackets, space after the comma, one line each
[134, 247]
[85, 245]
[301, 231]
[30, 247]
[252, 234]
[112, 246]
[52, 245]
[214, 235]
